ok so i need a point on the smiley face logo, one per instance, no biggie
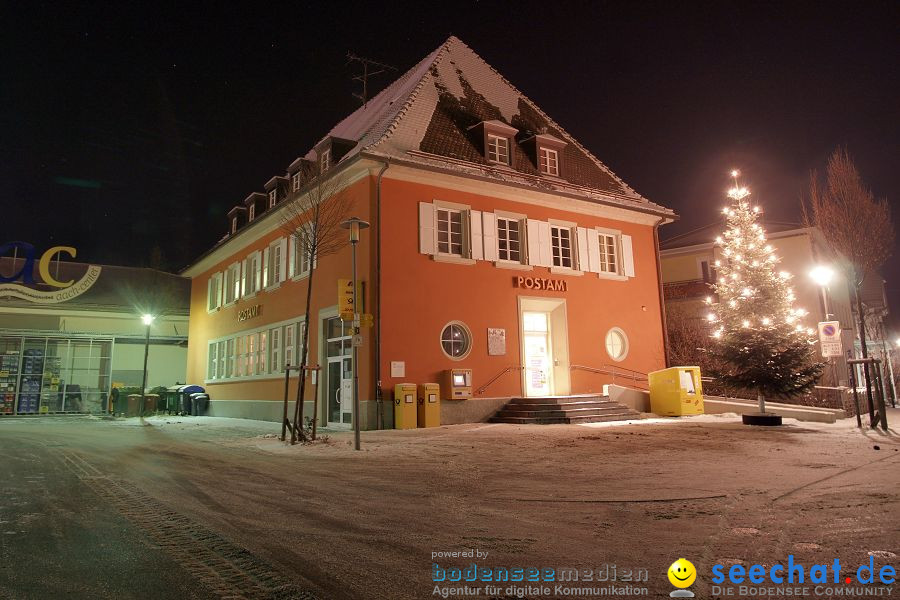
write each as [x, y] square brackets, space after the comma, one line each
[682, 573]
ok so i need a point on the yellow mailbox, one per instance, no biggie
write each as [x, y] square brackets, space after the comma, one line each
[676, 391]
[405, 406]
[429, 410]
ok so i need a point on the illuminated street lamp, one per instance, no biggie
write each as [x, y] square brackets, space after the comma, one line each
[147, 319]
[354, 224]
[822, 276]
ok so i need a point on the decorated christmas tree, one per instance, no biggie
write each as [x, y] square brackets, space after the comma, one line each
[759, 341]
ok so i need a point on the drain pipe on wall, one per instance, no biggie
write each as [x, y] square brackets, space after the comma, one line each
[379, 396]
[662, 298]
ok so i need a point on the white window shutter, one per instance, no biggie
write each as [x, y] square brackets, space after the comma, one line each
[283, 261]
[489, 235]
[593, 237]
[243, 277]
[292, 260]
[258, 272]
[583, 259]
[545, 244]
[265, 268]
[426, 228]
[627, 256]
[476, 246]
[534, 241]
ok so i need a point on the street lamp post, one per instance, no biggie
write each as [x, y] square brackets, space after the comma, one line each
[147, 319]
[354, 224]
[823, 275]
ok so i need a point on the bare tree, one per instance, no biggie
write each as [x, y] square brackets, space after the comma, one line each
[312, 217]
[856, 225]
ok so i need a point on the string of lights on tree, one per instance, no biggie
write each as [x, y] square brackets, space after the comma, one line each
[760, 340]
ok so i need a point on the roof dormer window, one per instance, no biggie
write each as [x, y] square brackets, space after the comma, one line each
[324, 160]
[295, 181]
[233, 225]
[546, 150]
[273, 197]
[252, 214]
[549, 161]
[498, 148]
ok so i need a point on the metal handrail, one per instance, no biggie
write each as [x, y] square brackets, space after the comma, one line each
[609, 370]
[480, 390]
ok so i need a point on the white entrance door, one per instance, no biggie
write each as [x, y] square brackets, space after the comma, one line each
[538, 354]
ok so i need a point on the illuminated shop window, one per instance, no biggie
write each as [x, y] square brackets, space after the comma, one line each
[456, 341]
[616, 344]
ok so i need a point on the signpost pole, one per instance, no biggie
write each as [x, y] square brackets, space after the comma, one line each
[354, 224]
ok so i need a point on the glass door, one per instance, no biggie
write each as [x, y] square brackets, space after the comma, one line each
[538, 354]
[339, 374]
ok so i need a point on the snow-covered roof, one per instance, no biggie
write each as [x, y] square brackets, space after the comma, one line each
[428, 113]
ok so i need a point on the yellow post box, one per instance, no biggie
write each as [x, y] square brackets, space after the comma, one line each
[405, 406]
[429, 410]
[676, 391]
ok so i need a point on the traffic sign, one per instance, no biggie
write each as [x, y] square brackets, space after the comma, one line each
[830, 338]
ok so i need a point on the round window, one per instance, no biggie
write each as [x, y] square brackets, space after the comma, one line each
[616, 344]
[456, 341]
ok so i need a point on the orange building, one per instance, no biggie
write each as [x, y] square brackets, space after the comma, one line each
[498, 244]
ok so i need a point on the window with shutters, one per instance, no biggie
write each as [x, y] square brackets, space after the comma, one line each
[509, 239]
[214, 292]
[561, 244]
[252, 276]
[450, 231]
[498, 148]
[275, 267]
[300, 258]
[609, 253]
[232, 283]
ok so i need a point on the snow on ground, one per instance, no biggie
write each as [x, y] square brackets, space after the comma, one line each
[639, 494]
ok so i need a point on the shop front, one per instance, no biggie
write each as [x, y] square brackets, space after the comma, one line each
[71, 332]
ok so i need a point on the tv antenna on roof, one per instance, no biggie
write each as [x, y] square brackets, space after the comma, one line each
[370, 69]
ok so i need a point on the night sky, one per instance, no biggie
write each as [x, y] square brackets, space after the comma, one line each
[126, 129]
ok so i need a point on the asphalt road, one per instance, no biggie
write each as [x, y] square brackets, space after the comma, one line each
[200, 507]
[58, 537]
[70, 528]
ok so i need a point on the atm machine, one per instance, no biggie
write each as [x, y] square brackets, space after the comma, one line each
[458, 383]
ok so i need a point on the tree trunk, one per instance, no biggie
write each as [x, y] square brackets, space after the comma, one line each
[304, 344]
[865, 354]
[762, 402]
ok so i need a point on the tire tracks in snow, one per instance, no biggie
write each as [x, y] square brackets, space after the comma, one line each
[228, 570]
